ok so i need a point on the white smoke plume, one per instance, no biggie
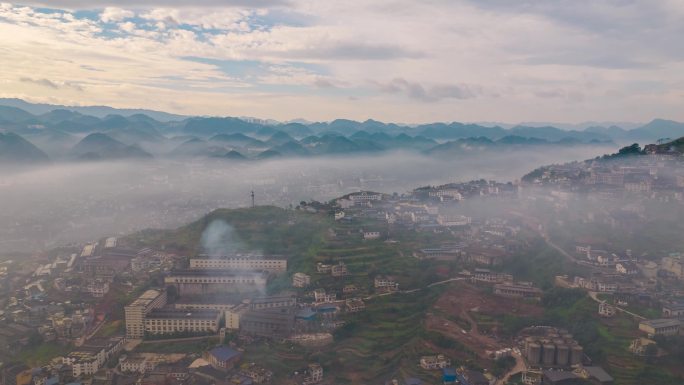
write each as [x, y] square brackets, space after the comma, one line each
[219, 238]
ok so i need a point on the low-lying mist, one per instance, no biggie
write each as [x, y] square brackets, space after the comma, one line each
[64, 203]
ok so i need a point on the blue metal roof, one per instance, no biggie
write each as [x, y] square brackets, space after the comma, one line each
[224, 353]
[327, 308]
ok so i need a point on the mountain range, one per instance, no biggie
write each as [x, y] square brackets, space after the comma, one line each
[38, 133]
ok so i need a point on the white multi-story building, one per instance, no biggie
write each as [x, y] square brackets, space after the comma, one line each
[240, 263]
[365, 197]
[315, 374]
[606, 310]
[97, 288]
[626, 268]
[135, 312]
[136, 364]
[90, 357]
[434, 362]
[110, 243]
[385, 283]
[446, 193]
[84, 362]
[210, 281]
[320, 296]
[453, 220]
[301, 280]
[234, 314]
[172, 321]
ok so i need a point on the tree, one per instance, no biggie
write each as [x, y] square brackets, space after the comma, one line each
[651, 352]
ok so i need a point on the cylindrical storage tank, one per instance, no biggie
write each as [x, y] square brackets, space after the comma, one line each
[576, 355]
[533, 353]
[567, 336]
[548, 354]
[562, 355]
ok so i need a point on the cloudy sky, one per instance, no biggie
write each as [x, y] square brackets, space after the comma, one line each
[392, 60]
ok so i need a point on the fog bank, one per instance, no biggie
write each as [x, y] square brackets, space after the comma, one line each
[63, 203]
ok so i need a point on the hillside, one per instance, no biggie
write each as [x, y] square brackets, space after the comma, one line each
[101, 147]
[15, 149]
[266, 229]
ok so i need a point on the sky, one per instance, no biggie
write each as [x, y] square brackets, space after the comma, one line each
[392, 60]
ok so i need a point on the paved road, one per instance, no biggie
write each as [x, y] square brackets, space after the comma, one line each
[415, 290]
[594, 296]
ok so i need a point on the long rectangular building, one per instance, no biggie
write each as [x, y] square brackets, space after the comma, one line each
[170, 321]
[517, 290]
[660, 327]
[271, 323]
[249, 262]
[215, 281]
[221, 302]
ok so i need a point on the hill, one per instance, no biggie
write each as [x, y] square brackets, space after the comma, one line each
[657, 129]
[96, 111]
[14, 115]
[234, 155]
[99, 146]
[15, 149]
[266, 229]
[237, 140]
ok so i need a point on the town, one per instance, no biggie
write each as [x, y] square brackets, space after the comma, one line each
[447, 278]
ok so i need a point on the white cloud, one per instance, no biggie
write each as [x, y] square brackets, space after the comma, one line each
[230, 19]
[113, 14]
[472, 60]
[128, 26]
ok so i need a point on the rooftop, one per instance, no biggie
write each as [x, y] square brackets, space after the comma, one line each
[183, 314]
[558, 375]
[677, 306]
[223, 299]
[241, 256]
[598, 373]
[212, 273]
[146, 298]
[224, 353]
[275, 298]
[662, 323]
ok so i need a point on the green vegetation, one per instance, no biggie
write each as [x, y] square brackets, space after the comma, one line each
[391, 332]
[503, 365]
[111, 328]
[41, 354]
[389, 336]
[267, 229]
[558, 297]
[442, 341]
[539, 264]
[627, 151]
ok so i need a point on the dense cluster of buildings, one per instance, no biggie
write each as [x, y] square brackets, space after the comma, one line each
[225, 295]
